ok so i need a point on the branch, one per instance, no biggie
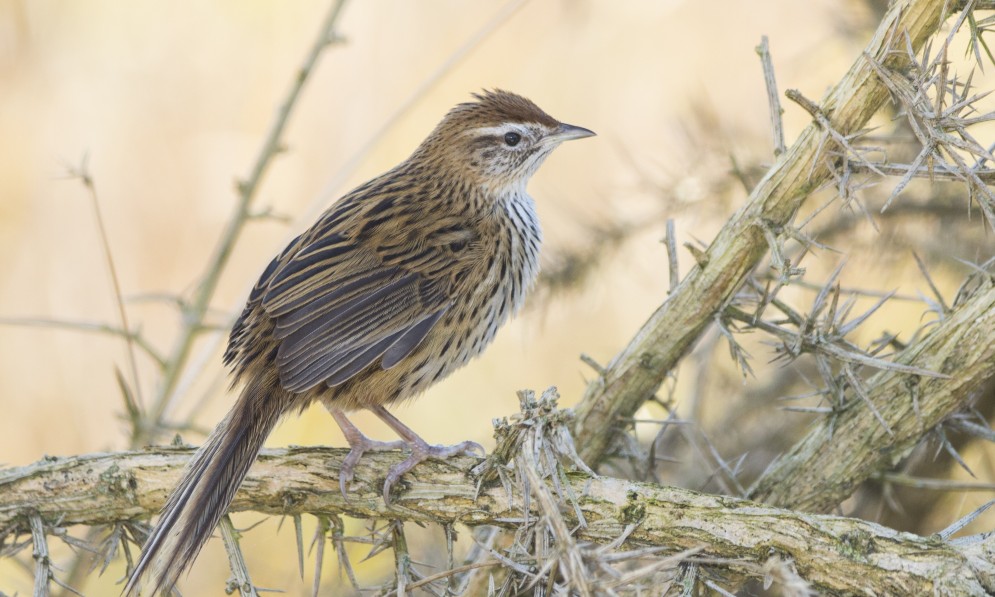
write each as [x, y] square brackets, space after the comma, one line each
[837, 555]
[636, 373]
[937, 172]
[844, 449]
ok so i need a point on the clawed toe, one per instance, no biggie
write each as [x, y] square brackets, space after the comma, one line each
[359, 447]
[442, 452]
[420, 452]
[473, 449]
[359, 444]
[346, 471]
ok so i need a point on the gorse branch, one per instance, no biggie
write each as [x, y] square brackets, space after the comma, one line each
[636, 373]
[849, 446]
[834, 554]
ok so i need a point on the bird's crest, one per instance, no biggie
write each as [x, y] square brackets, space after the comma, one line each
[497, 106]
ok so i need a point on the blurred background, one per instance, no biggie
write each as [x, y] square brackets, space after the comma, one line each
[167, 105]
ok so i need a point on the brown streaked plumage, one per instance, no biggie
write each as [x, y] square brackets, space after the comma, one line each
[399, 283]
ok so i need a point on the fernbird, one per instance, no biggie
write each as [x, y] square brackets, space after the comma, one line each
[399, 283]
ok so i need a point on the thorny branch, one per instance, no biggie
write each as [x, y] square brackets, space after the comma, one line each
[588, 516]
[849, 445]
[636, 373]
[939, 108]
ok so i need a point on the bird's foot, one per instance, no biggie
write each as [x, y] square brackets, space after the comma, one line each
[422, 451]
[359, 444]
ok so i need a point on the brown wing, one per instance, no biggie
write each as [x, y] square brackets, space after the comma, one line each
[353, 293]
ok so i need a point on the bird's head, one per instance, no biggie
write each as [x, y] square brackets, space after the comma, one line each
[499, 140]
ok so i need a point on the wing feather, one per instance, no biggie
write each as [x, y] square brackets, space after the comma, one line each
[346, 295]
[410, 340]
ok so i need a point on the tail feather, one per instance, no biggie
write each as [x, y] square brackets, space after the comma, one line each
[207, 488]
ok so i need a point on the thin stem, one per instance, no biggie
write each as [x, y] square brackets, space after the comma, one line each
[236, 561]
[776, 123]
[89, 326]
[129, 338]
[43, 570]
[193, 315]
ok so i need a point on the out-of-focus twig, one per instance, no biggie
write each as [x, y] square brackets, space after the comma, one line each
[134, 405]
[776, 123]
[89, 326]
[197, 308]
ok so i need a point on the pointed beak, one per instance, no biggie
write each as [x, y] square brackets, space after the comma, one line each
[566, 132]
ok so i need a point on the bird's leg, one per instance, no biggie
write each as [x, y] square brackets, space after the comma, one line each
[420, 449]
[358, 444]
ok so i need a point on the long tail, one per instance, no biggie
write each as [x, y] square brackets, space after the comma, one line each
[208, 486]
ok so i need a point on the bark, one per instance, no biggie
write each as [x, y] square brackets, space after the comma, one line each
[837, 555]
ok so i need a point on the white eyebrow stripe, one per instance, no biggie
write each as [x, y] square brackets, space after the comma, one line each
[505, 127]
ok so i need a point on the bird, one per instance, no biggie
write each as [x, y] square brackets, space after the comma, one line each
[399, 283]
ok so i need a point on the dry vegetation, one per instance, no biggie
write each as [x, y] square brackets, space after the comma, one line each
[738, 486]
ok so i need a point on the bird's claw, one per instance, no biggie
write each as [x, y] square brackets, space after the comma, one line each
[422, 451]
[359, 446]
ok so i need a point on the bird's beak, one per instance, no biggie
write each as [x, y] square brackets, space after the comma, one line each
[566, 132]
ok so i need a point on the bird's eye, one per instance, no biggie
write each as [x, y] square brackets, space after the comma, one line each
[512, 139]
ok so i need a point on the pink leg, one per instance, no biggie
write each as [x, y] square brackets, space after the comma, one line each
[420, 449]
[358, 444]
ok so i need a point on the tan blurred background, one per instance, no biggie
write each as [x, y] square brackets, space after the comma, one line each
[170, 102]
